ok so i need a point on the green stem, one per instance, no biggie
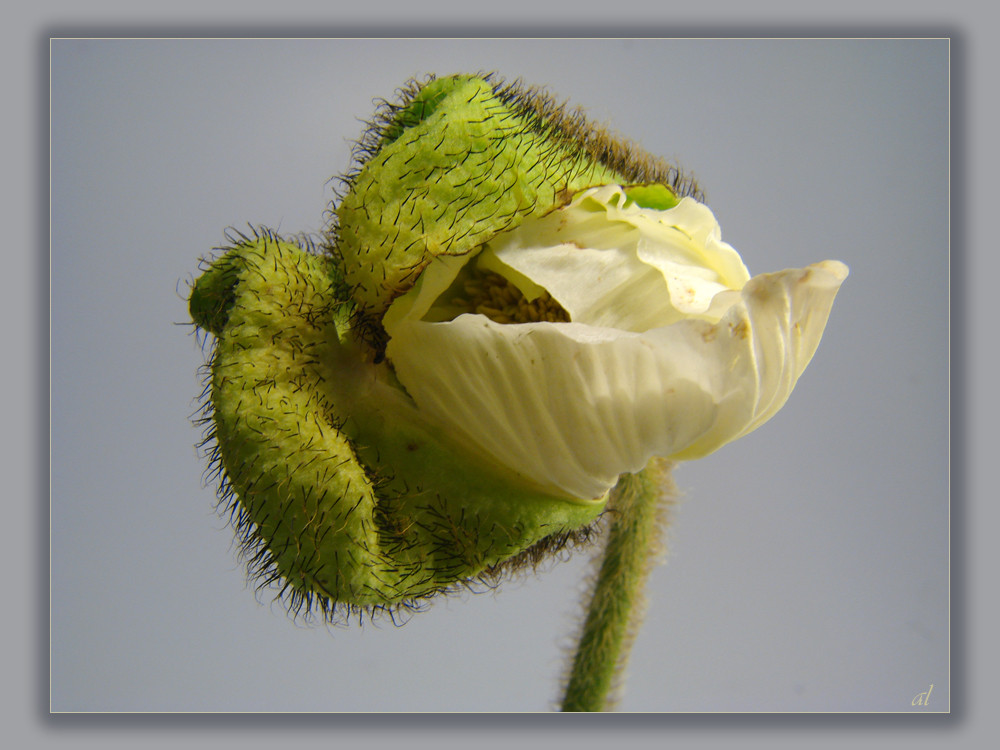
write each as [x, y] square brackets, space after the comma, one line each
[617, 603]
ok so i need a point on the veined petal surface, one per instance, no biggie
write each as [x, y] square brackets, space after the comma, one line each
[610, 262]
[571, 406]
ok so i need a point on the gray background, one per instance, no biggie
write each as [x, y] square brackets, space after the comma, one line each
[24, 306]
[975, 516]
[809, 561]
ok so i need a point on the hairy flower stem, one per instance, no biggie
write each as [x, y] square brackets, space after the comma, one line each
[638, 505]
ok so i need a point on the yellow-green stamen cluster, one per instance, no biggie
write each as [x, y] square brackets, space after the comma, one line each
[492, 295]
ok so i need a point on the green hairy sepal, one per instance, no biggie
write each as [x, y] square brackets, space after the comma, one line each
[340, 492]
[457, 161]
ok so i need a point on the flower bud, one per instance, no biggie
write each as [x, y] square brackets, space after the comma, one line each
[513, 310]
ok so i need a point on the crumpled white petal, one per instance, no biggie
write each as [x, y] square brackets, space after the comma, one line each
[610, 262]
[569, 406]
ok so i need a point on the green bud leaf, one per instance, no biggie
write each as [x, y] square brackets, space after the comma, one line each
[340, 489]
[460, 160]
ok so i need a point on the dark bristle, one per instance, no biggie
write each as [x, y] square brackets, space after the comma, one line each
[554, 548]
[569, 127]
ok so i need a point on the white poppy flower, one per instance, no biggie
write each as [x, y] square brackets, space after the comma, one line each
[671, 348]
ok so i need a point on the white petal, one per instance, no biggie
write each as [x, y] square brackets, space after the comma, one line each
[610, 262]
[606, 287]
[570, 406]
[433, 281]
[771, 333]
[687, 236]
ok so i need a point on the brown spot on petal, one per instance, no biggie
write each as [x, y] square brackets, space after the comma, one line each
[564, 197]
[740, 330]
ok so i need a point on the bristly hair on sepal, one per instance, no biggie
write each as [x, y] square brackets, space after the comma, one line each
[254, 259]
[570, 126]
[393, 212]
